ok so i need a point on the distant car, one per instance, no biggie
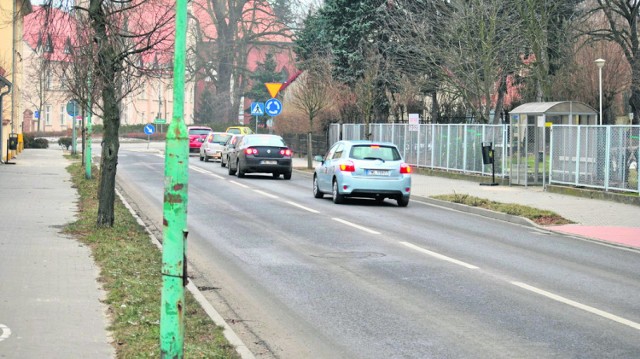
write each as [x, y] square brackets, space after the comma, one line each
[363, 169]
[239, 130]
[261, 153]
[213, 145]
[196, 137]
[228, 147]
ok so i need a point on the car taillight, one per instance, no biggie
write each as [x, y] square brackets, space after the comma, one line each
[286, 152]
[405, 168]
[347, 167]
[251, 151]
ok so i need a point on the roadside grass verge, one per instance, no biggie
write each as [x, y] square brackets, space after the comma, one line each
[130, 274]
[541, 217]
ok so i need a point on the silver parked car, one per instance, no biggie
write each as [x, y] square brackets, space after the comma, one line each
[363, 169]
[228, 147]
[213, 145]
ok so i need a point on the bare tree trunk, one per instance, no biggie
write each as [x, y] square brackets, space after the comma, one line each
[502, 89]
[110, 142]
[634, 99]
[434, 107]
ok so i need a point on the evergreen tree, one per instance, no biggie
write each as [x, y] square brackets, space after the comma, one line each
[264, 73]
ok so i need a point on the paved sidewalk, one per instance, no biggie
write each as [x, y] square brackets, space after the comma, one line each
[49, 295]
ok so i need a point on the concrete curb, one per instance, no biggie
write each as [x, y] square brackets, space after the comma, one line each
[479, 211]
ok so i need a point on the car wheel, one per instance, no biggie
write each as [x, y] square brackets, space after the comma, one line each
[287, 175]
[201, 158]
[231, 170]
[240, 172]
[276, 175]
[206, 158]
[335, 194]
[402, 201]
[317, 193]
[222, 162]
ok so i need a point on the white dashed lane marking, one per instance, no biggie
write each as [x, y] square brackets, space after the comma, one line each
[5, 332]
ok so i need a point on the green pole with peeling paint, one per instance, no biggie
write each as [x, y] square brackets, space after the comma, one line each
[174, 218]
[87, 143]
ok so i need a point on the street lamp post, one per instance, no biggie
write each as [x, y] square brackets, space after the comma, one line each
[600, 63]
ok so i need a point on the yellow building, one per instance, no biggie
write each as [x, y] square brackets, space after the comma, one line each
[11, 14]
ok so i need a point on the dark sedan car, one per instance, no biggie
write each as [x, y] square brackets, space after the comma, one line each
[261, 154]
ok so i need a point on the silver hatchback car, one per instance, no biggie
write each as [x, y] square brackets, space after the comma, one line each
[363, 169]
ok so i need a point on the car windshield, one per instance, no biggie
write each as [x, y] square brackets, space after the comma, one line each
[220, 138]
[199, 131]
[233, 130]
[374, 152]
[265, 141]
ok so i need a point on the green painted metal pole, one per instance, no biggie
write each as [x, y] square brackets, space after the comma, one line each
[174, 220]
[73, 126]
[87, 146]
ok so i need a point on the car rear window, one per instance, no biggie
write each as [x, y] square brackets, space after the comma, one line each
[220, 138]
[199, 131]
[386, 153]
[265, 141]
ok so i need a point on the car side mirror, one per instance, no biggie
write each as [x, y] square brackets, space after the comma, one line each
[318, 158]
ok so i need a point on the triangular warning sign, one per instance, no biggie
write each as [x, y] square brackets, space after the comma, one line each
[273, 88]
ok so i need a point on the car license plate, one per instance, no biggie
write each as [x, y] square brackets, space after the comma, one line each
[378, 172]
[267, 162]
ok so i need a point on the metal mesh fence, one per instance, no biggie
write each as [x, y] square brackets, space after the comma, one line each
[603, 157]
[590, 156]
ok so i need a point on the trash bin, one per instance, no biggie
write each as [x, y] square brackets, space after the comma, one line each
[13, 142]
[487, 153]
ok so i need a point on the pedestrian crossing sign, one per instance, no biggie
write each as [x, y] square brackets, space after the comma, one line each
[257, 109]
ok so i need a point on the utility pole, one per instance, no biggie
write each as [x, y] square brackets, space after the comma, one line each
[87, 146]
[174, 217]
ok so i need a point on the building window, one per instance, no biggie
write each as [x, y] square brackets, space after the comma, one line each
[47, 114]
[48, 47]
[125, 114]
[47, 80]
[67, 47]
[62, 114]
[63, 81]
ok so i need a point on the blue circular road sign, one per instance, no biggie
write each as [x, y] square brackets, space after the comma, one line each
[149, 129]
[273, 107]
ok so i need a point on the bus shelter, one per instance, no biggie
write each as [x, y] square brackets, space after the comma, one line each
[530, 125]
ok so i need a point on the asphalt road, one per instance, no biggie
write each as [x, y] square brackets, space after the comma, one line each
[299, 277]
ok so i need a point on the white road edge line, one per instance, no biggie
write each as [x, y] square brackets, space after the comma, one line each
[5, 332]
[355, 226]
[228, 332]
[575, 304]
[439, 256]
[265, 193]
[303, 207]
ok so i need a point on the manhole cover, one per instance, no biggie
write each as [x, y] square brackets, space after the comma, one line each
[350, 255]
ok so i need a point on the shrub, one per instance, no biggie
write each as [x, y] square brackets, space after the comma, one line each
[65, 142]
[30, 141]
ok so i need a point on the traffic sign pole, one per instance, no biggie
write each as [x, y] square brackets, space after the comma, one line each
[87, 143]
[73, 125]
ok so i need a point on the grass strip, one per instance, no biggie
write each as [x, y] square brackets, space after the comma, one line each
[130, 274]
[539, 216]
